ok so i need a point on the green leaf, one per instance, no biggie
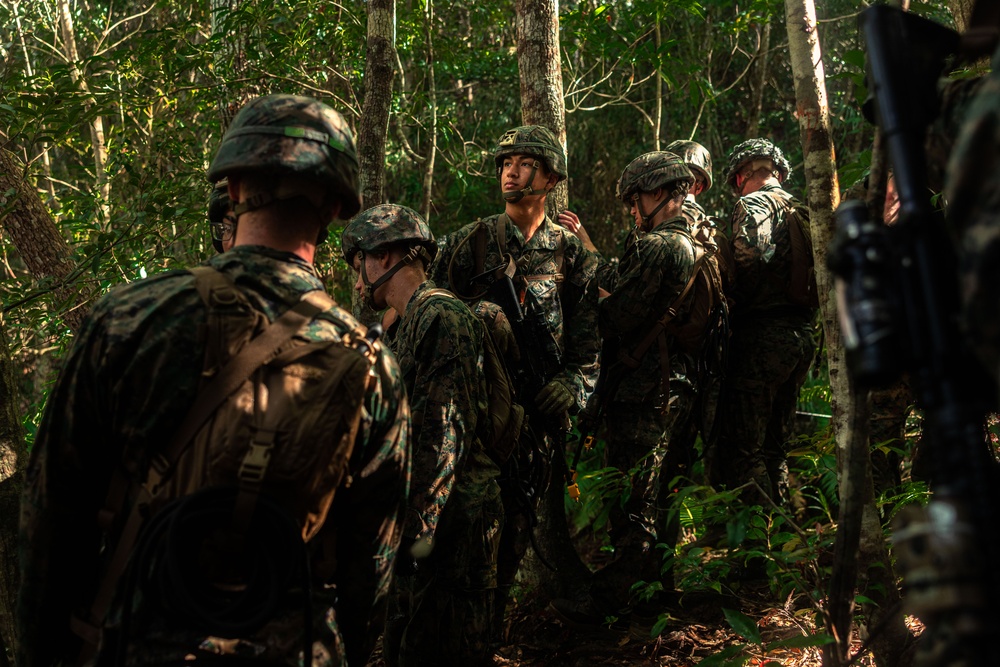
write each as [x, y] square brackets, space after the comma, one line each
[854, 57]
[731, 656]
[743, 625]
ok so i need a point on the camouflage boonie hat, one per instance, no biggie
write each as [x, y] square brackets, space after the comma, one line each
[288, 134]
[385, 224]
[532, 140]
[651, 171]
[696, 157]
[752, 149]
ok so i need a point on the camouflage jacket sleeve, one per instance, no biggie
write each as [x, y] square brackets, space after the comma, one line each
[59, 541]
[440, 350]
[579, 306]
[368, 513]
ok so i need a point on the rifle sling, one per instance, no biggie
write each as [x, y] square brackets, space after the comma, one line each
[259, 351]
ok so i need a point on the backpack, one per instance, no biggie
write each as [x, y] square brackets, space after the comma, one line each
[801, 288]
[501, 434]
[247, 479]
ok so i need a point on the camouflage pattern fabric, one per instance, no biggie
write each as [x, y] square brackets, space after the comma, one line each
[640, 418]
[128, 382]
[652, 274]
[762, 252]
[290, 134]
[974, 212]
[532, 140]
[770, 350]
[454, 494]
[569, 309]
[652, 171]
[769, 358]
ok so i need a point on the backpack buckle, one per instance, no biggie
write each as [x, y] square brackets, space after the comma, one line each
[254, 464]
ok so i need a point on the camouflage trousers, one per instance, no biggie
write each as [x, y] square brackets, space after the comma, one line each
[639, 445]
[443, 614]
[769, 359]
[429, 624]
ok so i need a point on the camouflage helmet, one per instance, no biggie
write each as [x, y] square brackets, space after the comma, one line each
[753, 149]
[288, 134]
[383, 225]
[696, 157]
[532, 140]
[652, 171]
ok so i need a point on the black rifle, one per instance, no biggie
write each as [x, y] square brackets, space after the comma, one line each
[900, 300]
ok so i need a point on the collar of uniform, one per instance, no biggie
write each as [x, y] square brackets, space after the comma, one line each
[282, 260]
[544, 238]
[676, 223]
[421, 288]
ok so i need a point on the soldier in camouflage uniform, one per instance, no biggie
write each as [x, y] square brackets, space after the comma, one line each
[554, 277]
[131, 379]
[772, 345]
[649, 400]
[441, 605]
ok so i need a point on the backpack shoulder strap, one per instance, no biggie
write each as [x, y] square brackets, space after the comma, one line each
[632, 359]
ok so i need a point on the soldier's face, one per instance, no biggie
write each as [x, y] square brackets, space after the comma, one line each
[516, 173]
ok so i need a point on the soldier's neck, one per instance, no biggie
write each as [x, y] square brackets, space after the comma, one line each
[402, 286]
[258, 228]
[527, 214]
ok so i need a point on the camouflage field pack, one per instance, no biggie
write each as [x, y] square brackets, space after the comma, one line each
[245, 485]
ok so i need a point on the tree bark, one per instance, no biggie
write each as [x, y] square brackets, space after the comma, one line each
[13, 459]
[39, 243]
[380, 57]
[856, 530]
[538, 60]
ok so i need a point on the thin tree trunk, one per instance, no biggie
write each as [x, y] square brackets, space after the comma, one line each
[539, 64]
[374, 125]
[13, 459]
[758, 82]
[97, 124]
[432, 94]
[37, 239]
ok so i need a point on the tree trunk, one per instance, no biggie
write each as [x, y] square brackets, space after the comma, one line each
[658, 117]
[97, 124]
[13, 459]
[538, 60]
[374, 125]
[758, 82]
[39, 243]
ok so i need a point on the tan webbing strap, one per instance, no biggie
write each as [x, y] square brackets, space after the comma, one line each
[632, 359]
[255, 354]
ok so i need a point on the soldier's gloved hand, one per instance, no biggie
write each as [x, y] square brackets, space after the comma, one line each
[554, 398]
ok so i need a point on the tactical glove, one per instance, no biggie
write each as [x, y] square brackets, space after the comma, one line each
[554, 398]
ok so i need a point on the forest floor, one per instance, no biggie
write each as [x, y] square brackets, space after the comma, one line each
[697, 629]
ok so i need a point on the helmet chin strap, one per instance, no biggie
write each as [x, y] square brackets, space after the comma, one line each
[415, 253]
[518, 195]
[647, 220]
